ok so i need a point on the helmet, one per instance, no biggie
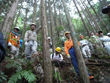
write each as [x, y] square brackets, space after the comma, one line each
[58, 49]
[108, 33]
[81, 36]
[67, 32]
[49, 38]
[17, 28]
[32, 24]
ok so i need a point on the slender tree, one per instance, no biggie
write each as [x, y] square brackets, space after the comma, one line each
[52, 28]
[86, 17]
[25, 21]
[56, 18]
[98, 16]
[91, 16]
[17, 16]
[7, 24]
[46, 54]
[34, 11]
[82, 18]
[81, 63]
[61, 21]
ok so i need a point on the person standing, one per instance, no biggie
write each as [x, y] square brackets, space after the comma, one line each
[14, 42]
[105, 41]
[85, 47]
[69, 50]
[31, 41]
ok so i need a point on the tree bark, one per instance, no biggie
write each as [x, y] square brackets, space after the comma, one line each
[34, 11]
[56, 19]
[52, 28]
[81, 63]
[46, 54]
[17, 17]
[25, 21]
[7, 24]
[82, 18]
[60, 16]
[98, 17]
[91, 16]
[87, 18]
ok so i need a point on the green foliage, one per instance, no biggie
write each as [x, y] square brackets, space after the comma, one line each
[57, 76]
[3, 77]
[28, 75]
[23, 68]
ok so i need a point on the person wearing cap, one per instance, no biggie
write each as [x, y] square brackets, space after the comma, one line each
[108, 34]
[57, 58]
[96, 43]
[31, 41]
[14, 42]
[106, 10]
[69, 50]
[85, 47]
[105, 41]
[50, 44]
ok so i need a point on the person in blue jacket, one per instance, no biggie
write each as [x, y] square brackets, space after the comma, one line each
[2, 47]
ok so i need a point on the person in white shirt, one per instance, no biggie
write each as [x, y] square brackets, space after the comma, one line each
[57, 58]
[105, 41]
[85, 47]
[108, 34]
[31, 41]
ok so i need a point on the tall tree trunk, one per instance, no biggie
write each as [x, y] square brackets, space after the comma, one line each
[40, 16]
[17, 17]
[7, 24]
[105, 2]
[34, 11]
[25, 21]
[61, 21]
[82, 18]
[86, 17]
[91, 16]
[46, 54]
[98, 16]
[56, 19]
[52, 28]
[81, 63]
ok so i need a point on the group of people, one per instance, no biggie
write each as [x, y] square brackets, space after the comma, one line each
[30, 41]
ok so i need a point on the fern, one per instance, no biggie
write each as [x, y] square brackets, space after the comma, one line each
[28, 75]
[3, 77]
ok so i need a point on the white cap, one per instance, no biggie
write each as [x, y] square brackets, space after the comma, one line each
[17, 28]
[49, 38]
[32, 24]
[108, 33]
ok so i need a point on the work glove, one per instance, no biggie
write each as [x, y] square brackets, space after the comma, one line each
[68, 56]
[9, 44]
[26, 43]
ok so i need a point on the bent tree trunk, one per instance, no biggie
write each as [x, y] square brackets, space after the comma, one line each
[81, 63]
[7, 24]
[46, 53]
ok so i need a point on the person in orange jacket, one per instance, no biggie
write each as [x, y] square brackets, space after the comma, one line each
[13, 42]
[69, 50]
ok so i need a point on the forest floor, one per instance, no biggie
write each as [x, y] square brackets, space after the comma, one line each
[98, 67]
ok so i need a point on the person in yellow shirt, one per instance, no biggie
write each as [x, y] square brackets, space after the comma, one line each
[69, 50]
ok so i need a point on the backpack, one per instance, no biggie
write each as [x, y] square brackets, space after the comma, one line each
[2, 47]
[53, 55]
